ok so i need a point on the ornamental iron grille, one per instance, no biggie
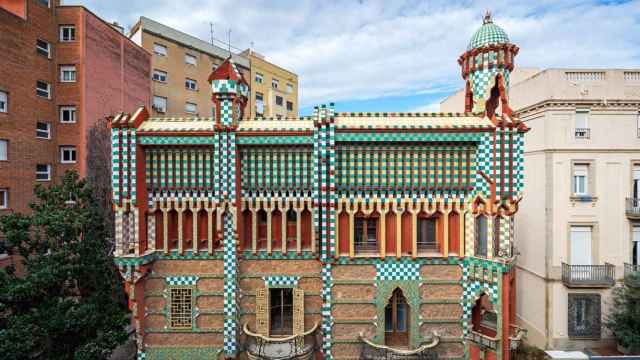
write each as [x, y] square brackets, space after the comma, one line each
[181, 306]
[584, 316]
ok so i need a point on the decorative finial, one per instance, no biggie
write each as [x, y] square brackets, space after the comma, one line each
[487, 17]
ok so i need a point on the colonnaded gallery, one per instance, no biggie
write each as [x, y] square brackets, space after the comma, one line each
[337, 235]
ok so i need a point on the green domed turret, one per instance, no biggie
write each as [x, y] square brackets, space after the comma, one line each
[488, 34]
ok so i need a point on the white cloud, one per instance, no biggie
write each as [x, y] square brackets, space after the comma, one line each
[361, 50]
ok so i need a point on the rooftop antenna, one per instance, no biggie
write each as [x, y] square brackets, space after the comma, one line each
[229, 41]
[211, 27]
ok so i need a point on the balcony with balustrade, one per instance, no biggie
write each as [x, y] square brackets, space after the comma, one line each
[632, 275]
[588, 276]
[632, 208]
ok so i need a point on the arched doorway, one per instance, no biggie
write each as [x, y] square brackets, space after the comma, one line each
[396, 320]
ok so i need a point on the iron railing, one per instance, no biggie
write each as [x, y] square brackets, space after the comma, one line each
[297, 347]
[632, 275]
[484, 341]
[365, 247]
[588, 275]
[426, 246]
[583, 133]
[633, 207]
[373, 351]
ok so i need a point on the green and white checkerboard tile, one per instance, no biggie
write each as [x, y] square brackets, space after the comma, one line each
[281, 281]
[489, 33]
[397, 271]
[327, 317]
[408, 137]
[226, 112]
[115, 164]
[181, 280]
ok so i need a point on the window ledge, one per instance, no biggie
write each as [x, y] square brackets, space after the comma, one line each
[583, 198]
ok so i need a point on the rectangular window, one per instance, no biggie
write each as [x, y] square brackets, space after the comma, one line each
[67, 114]
[481, 236]
[160, 76]
[190, 84]
[43, 48]
[638, 125]
[289, 106]
[582, 127]
[4, 101]
[281, 311]
[274, 83]
[4, 202]
[584, 316]
[43, 89]
[496, 236]
[4, 150]
[289, 88]
[279, 100]
[181, 307]
[259, 78]
[67, 154]
[159, 49]
[68, 73]
[190, 59]
[259, 104]
[580, 179]
[43, 130]
[580, 253]
[44, 3]
[160, 104]
[366, 235]
[427, 240]
[191, 108]
[635, 245]
[43, 172]
[67, 33]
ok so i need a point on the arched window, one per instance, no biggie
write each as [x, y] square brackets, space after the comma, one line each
[396, 320]
[481, 236]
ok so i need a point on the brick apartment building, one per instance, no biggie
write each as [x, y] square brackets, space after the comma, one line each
[62, 69]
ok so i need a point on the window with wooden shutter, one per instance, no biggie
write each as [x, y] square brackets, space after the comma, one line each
[298, 311]
[262, 311]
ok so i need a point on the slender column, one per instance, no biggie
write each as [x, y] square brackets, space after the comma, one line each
[413, 210]
[338, 210]
[446, 211]
[219, 211]
[383, 209]
[398, 213]
[313, 226]
[165, 226]
[180, 209]
[194, 223]
[254, 226]
[351, 211]
[299, 227]
[210, 210]
[269, 210]
[462, 237]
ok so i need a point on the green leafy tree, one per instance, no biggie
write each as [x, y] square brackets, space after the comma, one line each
[70, 303]
[624, 319]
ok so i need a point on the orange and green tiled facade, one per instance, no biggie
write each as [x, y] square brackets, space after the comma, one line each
[227, 228]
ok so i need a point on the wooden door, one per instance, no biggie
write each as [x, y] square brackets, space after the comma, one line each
[396, 316]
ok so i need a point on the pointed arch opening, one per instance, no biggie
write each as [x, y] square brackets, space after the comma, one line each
[396, 320]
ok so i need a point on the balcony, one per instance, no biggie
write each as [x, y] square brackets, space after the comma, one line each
[482, 340]
[516, 337]
[582, 133]
[633, 208]
[632, 275]
[373, 351]
[295, 347]
[588, 276]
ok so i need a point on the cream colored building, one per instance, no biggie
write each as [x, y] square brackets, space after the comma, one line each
[181, 65]
[274, 90]
[578, 224]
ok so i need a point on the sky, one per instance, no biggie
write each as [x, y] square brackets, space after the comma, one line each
[398, 55]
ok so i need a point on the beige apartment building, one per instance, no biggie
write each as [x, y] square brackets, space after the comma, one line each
[181, 65]
[578, 228]
[274, 90]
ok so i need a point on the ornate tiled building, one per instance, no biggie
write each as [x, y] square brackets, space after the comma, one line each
[346, 235]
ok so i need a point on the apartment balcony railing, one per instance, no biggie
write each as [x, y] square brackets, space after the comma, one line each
[373, 351]
[426, 246]
[295, 347]
[365, 247]
[632, 275]
[633, 208]
[588, 275]
[582, 133]
[482, 340]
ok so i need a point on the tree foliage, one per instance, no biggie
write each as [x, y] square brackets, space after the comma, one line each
[70, 303]
[624, 319]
